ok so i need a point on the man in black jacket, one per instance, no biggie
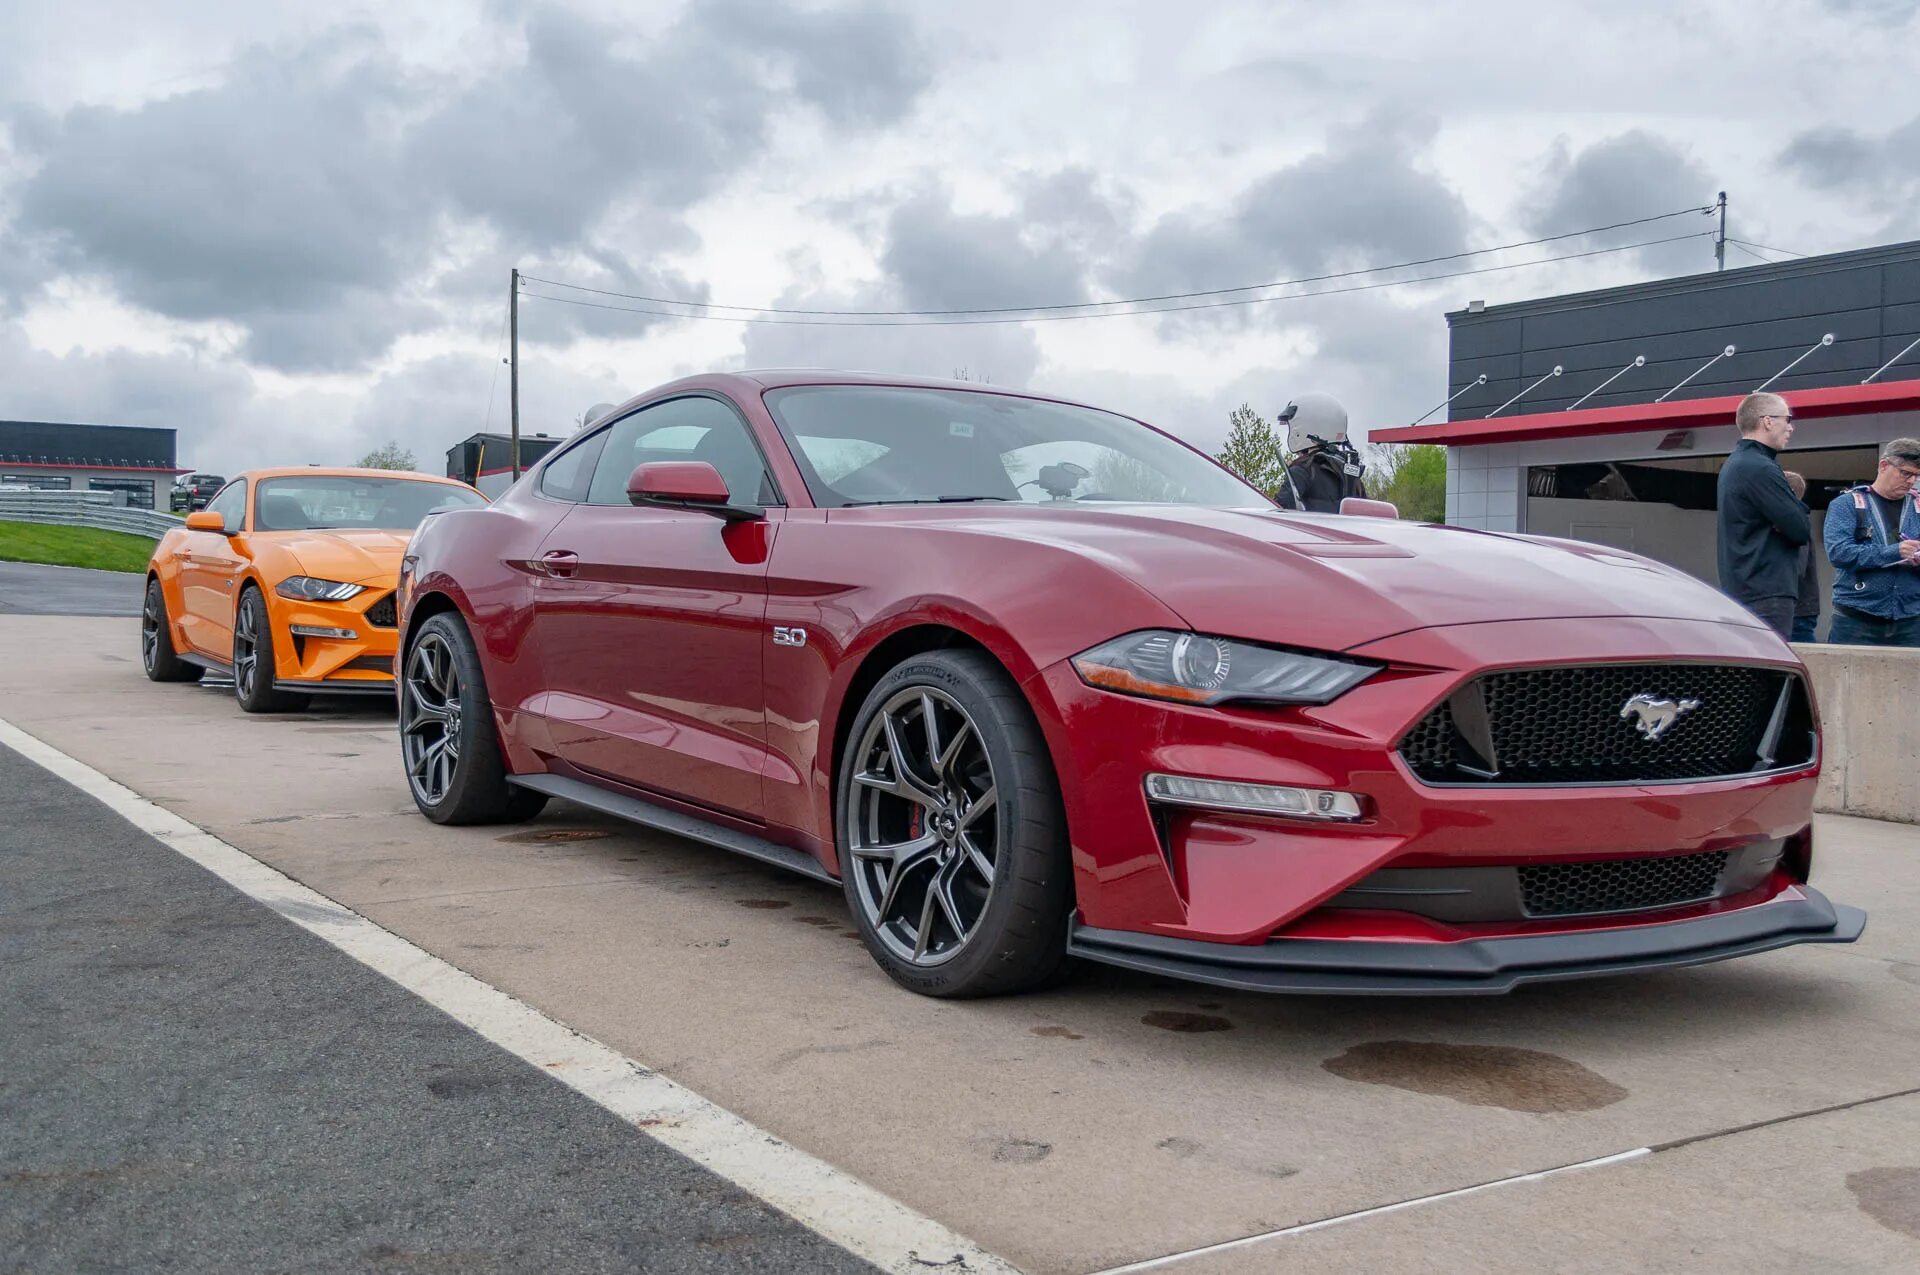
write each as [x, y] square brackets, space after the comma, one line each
[1761, 525]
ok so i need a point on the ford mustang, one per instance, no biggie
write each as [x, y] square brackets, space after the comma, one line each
[285, 583]
[1032, 680]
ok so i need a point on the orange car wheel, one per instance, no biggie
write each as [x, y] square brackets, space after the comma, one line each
[157, 655]
[253, 659]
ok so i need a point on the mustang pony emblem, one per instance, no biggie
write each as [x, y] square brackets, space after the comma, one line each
[1656, 715]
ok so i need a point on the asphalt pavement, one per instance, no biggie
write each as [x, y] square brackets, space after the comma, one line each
[27, 588]
[190, 1082]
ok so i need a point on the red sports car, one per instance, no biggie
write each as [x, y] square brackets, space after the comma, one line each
[1031, 680]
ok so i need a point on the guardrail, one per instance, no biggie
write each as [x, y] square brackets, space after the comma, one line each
[84, 509]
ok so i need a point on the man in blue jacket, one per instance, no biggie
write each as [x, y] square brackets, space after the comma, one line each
[1873, 540]
[1761, 525]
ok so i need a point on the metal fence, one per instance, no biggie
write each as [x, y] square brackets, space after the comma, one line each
[83, 509]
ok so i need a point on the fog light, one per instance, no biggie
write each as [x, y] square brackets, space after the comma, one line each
[315, 630]
[1259, 799]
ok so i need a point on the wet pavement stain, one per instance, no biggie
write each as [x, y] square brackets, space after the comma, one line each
[1906, 972]
[764, 905]
[1478, 1075]
[1184, 1148]
[1175, 1020]
[1890, 1196]
[550, 835]
[1021, 1151]
[1055, 1030]
[819, 922]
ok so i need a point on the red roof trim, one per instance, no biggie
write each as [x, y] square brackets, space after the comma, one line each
[118, 469]
[1633, 418]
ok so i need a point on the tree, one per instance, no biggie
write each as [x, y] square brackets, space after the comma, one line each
[1253, 451]
[1413, 477]
[390, 456]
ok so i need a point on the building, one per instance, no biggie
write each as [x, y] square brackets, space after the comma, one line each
[136, 463]
[485, 460]
[1605, 416]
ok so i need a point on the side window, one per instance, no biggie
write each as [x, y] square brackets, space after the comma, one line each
[683, 429]
[231, 505]
[566, 475]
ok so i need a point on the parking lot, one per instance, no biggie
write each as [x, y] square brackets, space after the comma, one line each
[1758, 1114]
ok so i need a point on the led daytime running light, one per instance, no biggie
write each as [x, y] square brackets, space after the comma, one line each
[311, 589]
[1262, 799]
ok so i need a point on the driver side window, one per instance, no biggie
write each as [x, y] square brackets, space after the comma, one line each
[700, 429]
[231, 505]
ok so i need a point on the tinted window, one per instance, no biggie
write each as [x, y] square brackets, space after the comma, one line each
[566, 476]
[231, 504]
[325, 502]
[683, 429]
[877, 444]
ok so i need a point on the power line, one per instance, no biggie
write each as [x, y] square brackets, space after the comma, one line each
[1785, 252]
[938, 322]
[1092, 305]
[1751, 253]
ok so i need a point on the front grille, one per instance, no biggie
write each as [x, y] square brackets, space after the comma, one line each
[1573, 725]
[371, 664]
[1619, 885]
[381, 614]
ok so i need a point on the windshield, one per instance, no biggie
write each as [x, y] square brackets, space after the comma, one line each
[878, 444]
[318, 502]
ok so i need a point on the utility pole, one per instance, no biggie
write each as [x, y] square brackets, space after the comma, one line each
[1720, 240]
[513, 353]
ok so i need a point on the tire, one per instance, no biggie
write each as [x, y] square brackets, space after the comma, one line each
[449, 744]
[942, 912]
[157, 655]
[254, 660]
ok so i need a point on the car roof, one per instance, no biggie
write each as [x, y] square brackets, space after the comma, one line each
[753, 381]
[344, 471]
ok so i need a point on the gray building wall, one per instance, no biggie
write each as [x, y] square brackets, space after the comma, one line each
[1869, 300]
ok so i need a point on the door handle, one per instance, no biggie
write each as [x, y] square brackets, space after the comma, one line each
[560, 564]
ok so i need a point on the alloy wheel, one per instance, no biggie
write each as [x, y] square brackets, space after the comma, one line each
[430, 722]
[246, 651]
[923, 826]
[150, 622]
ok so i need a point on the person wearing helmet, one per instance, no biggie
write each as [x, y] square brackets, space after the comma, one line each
[1323, 468]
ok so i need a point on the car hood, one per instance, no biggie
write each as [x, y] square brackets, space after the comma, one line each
[1333, 583]
[358, 557]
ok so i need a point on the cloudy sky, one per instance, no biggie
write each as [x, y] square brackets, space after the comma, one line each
[286, 229]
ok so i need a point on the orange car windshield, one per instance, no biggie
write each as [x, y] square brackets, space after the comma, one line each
[328, 502]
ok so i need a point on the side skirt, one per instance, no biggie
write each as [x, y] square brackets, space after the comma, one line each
[206, 662]
[649, 815]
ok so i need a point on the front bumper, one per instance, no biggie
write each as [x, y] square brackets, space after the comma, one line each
[1485, 966]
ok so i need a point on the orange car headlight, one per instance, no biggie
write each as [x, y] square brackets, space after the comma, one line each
[309, 589]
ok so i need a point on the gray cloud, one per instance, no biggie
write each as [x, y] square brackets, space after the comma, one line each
[313, 183]
[1883, 172]
[1364, 200]
[1620, 179]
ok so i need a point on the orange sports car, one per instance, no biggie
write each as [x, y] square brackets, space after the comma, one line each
[285, 582]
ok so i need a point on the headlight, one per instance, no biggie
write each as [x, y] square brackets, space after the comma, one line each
[1196, 669]
[308, 589]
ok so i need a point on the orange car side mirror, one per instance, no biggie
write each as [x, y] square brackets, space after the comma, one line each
[205, 521]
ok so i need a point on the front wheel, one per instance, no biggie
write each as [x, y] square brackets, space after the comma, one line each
[952, 841]
[157, 656]
[448, 740]
[253, 660]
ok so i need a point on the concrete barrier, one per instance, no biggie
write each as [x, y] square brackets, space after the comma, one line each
[1870, 721]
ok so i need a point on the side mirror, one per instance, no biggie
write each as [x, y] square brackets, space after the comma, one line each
[687, 484]
[205, 521]
[1361, 507]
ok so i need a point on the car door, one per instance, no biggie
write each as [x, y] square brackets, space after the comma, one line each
[650, 622]
[209, 569]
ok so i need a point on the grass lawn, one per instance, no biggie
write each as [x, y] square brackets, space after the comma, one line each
[73, 546]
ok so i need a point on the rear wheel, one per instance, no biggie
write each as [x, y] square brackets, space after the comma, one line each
[156, 641]
[953, 846]
[253, 660]
[448, 740]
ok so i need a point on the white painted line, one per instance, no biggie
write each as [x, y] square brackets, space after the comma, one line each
[832, 1203]
[1156, 1263]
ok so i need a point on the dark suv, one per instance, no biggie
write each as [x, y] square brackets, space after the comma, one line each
[193, 491]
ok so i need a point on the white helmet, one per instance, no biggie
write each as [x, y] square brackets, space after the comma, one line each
[1313, 419]
[593, 414]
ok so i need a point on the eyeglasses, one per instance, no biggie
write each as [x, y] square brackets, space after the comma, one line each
[1776, 416]
[1904, 472]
